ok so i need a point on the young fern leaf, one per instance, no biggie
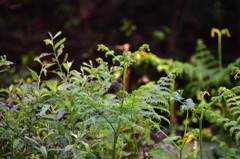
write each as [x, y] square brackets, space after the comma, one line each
[172, 139]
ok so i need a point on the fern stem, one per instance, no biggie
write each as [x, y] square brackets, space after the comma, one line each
[200, 132]
[118, 130]
[200, 137]
[171, 141]
[220, 51]
[185, 131]
[135, 146]
[173, 131]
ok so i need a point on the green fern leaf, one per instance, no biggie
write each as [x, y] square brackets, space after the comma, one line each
[169, 140]
[237, 136]
[222, 120]
[231, 123]
[232, 129]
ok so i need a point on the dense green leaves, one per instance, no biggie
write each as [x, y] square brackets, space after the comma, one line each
[69, 118]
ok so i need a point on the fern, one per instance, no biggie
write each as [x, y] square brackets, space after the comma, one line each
[171, 139]
[230, 99]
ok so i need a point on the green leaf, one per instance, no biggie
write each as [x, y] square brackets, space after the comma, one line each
[44, 109]
[102, 47]
[87, 69]
[60, 113]
[49, 65]
[144, 47]
[52, 85]
[48, 41]
[80, 155]
[68, 147]
[44, 72]
[43, 151]
[237, 136]
[86, 146]
[31, 139]
[171, 139]
[38, 60]
[109, 53]
[48, 135]
[16, 143]
[74, 135]
[67, 65]
[58, 33]
[50, 34]
[34, 75]
[59, 43]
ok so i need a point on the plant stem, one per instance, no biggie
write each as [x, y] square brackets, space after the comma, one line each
[173, 131]
[56, 58]
[135, 146]
[172, 141]
[117, 132]
[200, 135]
[220, 51]
[185, 131]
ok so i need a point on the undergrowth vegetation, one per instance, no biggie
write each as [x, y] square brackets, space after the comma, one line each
[191, 112]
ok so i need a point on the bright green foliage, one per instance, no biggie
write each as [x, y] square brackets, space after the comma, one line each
[69, 118]
[201, 74]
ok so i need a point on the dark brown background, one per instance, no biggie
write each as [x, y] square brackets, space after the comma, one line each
[25, 23]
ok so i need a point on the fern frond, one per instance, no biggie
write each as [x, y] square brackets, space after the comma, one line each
[233, 128]
[237, 136]
[188, 105]
[222, 120]
[230, 124]
[169, 140]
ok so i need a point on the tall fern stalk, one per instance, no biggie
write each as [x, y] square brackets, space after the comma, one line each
[219, 34]
[118, 130]
[185, 131]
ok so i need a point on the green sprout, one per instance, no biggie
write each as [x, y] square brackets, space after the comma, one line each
[219, 34]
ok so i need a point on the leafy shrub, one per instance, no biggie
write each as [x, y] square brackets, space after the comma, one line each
[68, 117]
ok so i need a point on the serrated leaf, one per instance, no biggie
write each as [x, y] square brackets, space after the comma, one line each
[58, 33]
[232, 129]
[177, 96]
[222, 120]
[60, 113]
[109, 53]
[231, 123]
[59, 43]
[171, 139]
[43, 151]
[237, 136]
[68, 147]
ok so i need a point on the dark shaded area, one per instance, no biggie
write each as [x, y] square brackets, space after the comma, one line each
[171, 29]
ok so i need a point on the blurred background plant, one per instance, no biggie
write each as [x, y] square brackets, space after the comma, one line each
[171, 29]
